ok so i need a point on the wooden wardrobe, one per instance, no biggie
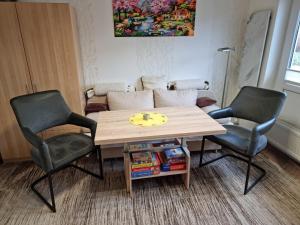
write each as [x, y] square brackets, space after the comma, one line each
[39, 51]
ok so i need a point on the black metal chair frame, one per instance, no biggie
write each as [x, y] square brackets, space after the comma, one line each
[247, 159]
[49, 177]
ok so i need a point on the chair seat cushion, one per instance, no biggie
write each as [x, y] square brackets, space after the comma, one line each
[238, 139]
[65, 148]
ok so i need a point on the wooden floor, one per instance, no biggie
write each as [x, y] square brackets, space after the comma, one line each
[215, 195]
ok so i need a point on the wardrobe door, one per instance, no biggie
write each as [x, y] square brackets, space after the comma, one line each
[49, 36]
[14, 81]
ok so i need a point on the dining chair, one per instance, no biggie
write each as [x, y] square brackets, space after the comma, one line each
[43, 110]
[258, 105]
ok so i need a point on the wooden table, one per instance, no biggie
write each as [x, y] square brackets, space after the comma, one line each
[114, 128]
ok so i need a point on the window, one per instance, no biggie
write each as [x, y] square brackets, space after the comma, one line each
[293, 72]
[295, 58]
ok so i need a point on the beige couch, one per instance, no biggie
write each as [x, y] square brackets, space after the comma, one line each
[143, 100]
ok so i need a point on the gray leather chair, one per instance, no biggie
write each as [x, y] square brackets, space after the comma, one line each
[40, 111]
[259, 105]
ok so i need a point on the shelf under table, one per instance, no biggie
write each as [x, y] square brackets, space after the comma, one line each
[127, 167]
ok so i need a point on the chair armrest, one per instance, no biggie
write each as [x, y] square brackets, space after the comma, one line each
[263, 128]
[34, 139]
[41, 146]
[257, 131]
[76, 119]
[221, 113]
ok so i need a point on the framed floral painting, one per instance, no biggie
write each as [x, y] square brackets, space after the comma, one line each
[142, 18]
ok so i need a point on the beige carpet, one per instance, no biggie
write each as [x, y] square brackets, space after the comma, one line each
[215, 196]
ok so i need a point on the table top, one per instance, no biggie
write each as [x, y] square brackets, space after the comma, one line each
[114, 126]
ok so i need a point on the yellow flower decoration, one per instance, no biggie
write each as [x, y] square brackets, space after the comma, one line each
[148, 119]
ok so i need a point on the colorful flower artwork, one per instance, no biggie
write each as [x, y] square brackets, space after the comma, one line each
[142, 18]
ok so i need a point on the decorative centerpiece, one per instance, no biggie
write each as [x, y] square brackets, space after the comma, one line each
[148, 119]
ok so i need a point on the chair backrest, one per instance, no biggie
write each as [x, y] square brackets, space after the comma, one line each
[41, 110]
[257, 104]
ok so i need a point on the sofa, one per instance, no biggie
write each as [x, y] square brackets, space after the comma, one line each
[147, 99]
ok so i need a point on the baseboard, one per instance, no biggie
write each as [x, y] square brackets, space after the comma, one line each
[285, 150]
[282, 128]
[13, 160]
[286, 138]
[295, 130]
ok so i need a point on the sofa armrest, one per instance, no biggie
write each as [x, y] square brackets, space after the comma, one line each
[89, 93]
[98, 99]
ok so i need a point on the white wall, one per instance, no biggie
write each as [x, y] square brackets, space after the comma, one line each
[275, 40]
[257, 5]
[108, 59]
[271, 54]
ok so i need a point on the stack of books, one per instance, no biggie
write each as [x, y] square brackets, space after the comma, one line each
[172, 159]
[144, 164]
[168, 144]
[139, 146]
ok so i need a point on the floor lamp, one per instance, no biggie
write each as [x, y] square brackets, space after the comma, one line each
[228, 51]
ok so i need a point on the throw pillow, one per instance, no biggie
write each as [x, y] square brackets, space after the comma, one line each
[205, 101]
[166, 98]
[95, 107]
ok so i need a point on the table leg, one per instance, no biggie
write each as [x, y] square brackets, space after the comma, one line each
[127, 171]
[186, 177]
[99, 156]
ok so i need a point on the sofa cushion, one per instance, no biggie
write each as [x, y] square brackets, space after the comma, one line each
[130, 100]
[104, 88]
[210, 108]
[154, 82]
[166, 98]
[205, 101]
